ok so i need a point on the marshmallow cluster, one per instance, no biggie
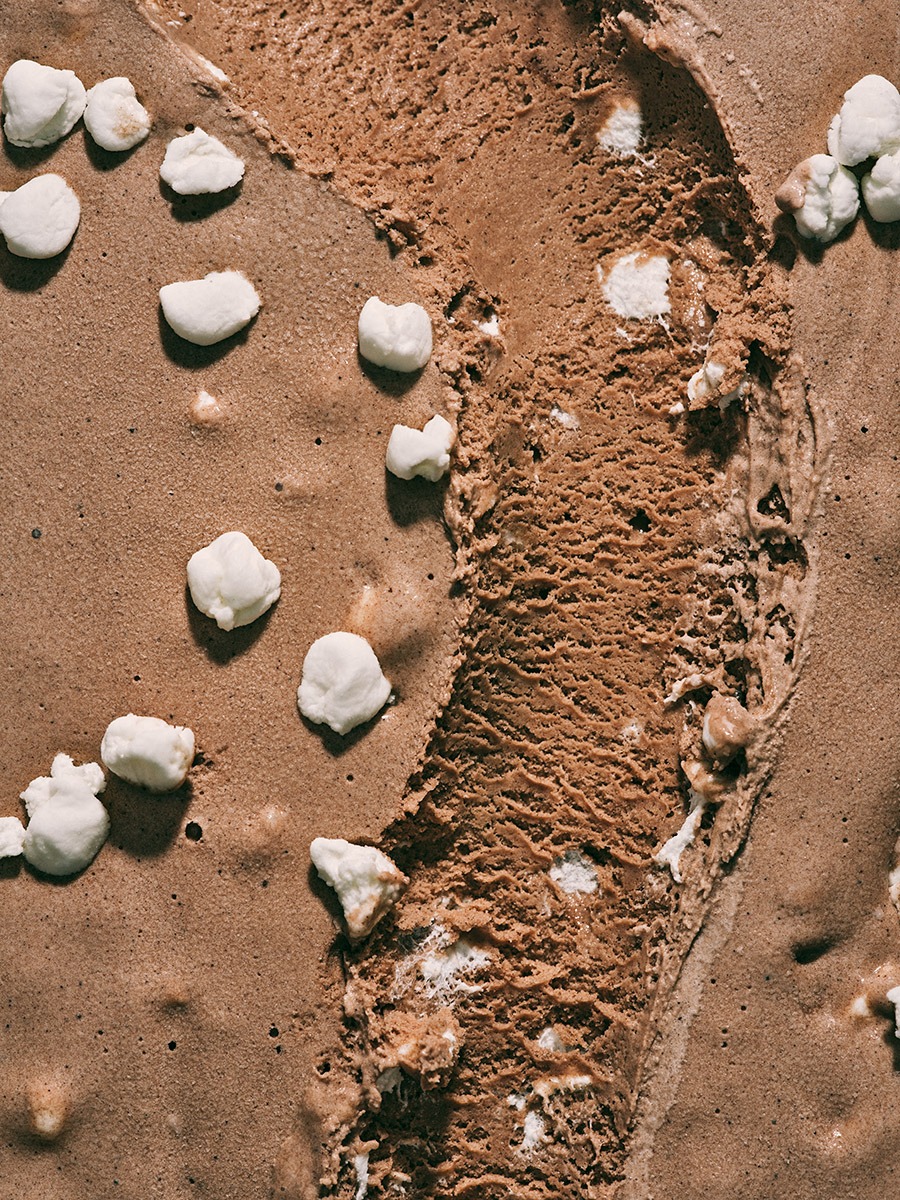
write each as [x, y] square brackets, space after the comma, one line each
[67, 823]
[424, 452]
[396, 336]
[199, 164]
[148, 752]
[342, 683]
[206, 311]
[230, 581]
[367, 882]
[822, 193]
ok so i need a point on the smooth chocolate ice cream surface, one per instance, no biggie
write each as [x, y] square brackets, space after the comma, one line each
[606, 562]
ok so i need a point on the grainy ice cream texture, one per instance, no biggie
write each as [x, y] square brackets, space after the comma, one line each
[593, 627]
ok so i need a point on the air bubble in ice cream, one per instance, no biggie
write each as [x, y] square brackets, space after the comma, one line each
[822, 195]
[148, 752]
[423, 452]
[67, 823]
[367, 882]
[230, 581]
[868, 124]
[342, 684]
[39, 219]
[199, 164]
[637, 286]
[40, 104]
[114, 117]
[396, 336]
[206, 311]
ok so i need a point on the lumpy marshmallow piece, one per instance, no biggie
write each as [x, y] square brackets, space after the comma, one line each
[367, 882]
[342, 684]
[396, 336]
[39, 219]
[893, 997]
[208, 310]
[727, 728]
[621, 132]
[67, 823]
[12, 837]
[199, 164]
[881, 188]
[230, 581]
[637, 286]
[40, 104]
[114, 117]
[868, 124]
[669, 854]
[822, 195]
[424, 452]
[148, 751]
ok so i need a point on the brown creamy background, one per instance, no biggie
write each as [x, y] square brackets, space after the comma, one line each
[469, 136]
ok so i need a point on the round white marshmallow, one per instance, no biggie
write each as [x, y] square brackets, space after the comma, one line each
[881, 188]
[40, 104]
[396, 336]
[12, 837]
[230, 581]
[39, 219]
[868, 124]
[148, 752]
[198, 164]
[424, 452]
[367, 882]
[206, 311]
[114, 117]
[342, 685]
[67, 823]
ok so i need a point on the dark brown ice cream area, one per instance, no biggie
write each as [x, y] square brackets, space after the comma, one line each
[597, 623]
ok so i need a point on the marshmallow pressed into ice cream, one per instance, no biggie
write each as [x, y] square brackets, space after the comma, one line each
[230, 581]
[114, 117]
[342, 685]
[396, 336]
[148, 751]
[424, 452]
[67, 823]
[868, 124]
[199, 164]
[822, 195]
[206, 311]
[622, 131]
[367, 882]
[637, 286]
[39, 219]
[40, 104]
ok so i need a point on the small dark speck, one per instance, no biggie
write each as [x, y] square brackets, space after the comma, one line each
[137, 678]
[277, 1049]
[193, 832]
[35, 533]
[265, 883]
[273, 1032]
[279, 487]
[172, 1045]
[132, 429]
[349, 778]
[863, 429]
[318, 441]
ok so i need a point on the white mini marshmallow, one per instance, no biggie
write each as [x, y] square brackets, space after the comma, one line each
[12, 837]
[868, 124]
[147, 751]
[367, 882]
[621, 133]
[881, 188]
[208, 310]
[40, 104]
[637, 286]
[230, 581]
[704, 383]
[342, 685]
[67, 823]
[424, 452]
[198, 164]
[396, 336]
[822, 195]
[893, 997]
[669, 855]
[114, 117]
[39, 219]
